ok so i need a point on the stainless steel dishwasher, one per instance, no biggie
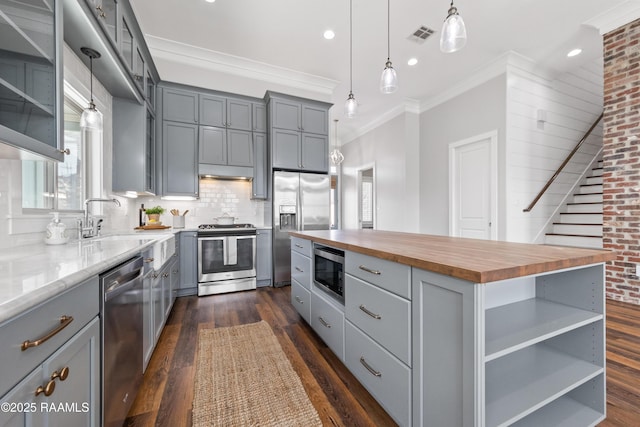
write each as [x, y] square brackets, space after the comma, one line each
[122, 334]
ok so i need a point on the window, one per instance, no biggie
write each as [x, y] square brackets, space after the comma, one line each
[58, 186]
[366, 209]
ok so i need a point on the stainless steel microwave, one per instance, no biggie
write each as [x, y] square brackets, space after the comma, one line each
[328, 270]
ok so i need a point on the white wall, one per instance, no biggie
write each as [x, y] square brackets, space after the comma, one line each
[534, 150]
[392, 149]
[477, 111]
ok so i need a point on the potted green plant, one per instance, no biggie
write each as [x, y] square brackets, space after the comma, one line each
[154, 214]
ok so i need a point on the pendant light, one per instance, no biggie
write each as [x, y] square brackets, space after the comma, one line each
[91, 118]
[389, 78]
[454, 34]
[336, 156]
[351, 105]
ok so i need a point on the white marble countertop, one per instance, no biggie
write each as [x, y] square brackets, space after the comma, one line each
[30, 275]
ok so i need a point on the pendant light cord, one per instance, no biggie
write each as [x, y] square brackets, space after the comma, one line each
[350, 46]
[389, 29]
[91, 81]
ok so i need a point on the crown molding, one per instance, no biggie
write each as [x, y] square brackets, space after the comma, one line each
[408, 106]
[237, 66]
[615, 17]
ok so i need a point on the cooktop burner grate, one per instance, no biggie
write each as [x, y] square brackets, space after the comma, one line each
[223, 226]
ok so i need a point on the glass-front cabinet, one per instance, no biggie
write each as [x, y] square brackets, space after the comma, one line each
[107, 13]
[126, 44]
[31, 75]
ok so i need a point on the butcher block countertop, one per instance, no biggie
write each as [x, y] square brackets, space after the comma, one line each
[478, 261]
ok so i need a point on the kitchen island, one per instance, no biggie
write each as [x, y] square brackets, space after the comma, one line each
[463, 332]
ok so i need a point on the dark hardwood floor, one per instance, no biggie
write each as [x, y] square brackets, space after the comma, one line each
[167, 391]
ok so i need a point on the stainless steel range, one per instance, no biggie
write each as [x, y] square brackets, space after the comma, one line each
[226, 258]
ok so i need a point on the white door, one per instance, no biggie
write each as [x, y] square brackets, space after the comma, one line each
[473, 187]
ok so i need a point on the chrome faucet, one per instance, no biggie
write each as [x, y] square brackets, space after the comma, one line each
[87, 227]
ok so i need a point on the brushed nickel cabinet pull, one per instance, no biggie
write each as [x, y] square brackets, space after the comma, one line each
[299, 246]
[370, 313]
[148, 260]
[64, 322]
[369, 368]
[369, 270]
[299, 300]
[298, 269]
[324, 322]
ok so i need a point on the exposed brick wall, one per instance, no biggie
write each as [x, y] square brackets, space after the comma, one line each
[621, 196]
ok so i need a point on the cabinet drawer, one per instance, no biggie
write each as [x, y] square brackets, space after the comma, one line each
[382, 315]
[328, 322]
[81, 303]
[301, 300]
[301, 269]
[386, 378]
[389, 275]
[302, 246]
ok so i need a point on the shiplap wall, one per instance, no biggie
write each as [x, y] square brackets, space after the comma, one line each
[534, 150]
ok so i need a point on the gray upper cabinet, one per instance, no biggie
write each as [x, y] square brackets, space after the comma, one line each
[239, 114]
[31, 78]
[260, 170]
[213, 110]
[179, 105]
[107, 13]
[133, 148]
[259, 117]
[179, 159]
[213, 145]
[240, 148]
[299, 133]
[126, 42]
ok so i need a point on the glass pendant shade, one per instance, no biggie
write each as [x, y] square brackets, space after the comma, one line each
[351, 106]
[91, 118]
[454, 33]
[336, 157]
[389, 79]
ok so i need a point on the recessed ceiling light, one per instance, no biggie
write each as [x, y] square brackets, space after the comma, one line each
[574, 52]
[412, 61]
[329, 34]
[210, 1]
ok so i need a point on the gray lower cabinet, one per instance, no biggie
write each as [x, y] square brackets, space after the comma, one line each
[301, 300]
[188, 263]
[264, 259]
[157, 307]
[327, 319]
[29, 369]
[148, 335]
[179, 159]
[260, 183]
[72, 374]
[301, 269]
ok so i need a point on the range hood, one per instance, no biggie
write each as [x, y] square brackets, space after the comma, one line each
[225, 172]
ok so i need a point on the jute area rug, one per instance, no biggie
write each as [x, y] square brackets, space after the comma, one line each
[243, 378]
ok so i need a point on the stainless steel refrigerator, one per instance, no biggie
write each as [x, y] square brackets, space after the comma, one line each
[301, 201]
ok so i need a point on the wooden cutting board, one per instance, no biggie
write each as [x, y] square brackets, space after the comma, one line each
[153, 227]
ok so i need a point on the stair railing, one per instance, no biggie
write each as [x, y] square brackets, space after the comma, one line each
[564, 163]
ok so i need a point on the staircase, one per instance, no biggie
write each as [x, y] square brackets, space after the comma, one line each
[581, 222]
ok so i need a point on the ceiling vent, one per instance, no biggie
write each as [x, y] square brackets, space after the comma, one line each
[421, 34]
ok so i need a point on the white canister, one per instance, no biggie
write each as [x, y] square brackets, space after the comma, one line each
[56, 232]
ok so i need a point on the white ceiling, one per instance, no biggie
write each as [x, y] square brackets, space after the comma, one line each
[287, 34]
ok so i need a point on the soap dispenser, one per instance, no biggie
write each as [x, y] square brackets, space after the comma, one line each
[56, 233]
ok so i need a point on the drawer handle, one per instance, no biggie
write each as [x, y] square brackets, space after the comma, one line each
[299, 269]
[148, 260]
[64, 322]
[63, 374]
[370, 313]
[369, 270]
[299, 246]
[47, 389]
[299, 300]
[324, 322]
[369, 368]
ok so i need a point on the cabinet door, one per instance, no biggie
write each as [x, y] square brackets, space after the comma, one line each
[285, 114]
[150, 91]
[126, 43]
[263, 257]
[259, 117]
[239, 148]
[106, 11]
[157, 308]
[150, 154]
[81, 387]
[148, 335]
[180, 159]
[285, 149]
[213, 110]
[260, 168]
[179, 105]
[175, 279]
[315, 119]
[24, 394]
[315, 153]
[138, 68]
[239, 114]
[166, 292]
[188, 262]
[213, 145]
